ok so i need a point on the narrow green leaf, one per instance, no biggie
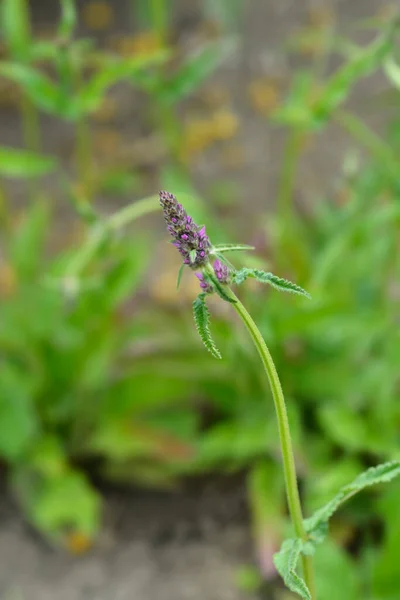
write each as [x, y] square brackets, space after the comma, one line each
[286, 562]
[180, 272]
[43, 93]
[92, 93]
[317, 525]
[278, 283]
[22, 163]
[14, 19]
[26, 248]
[392, 70]
[68, 19]
[231, 248]
[202, 320]
[17, 413]
[196, 69]
[227, 13]
[360, 65]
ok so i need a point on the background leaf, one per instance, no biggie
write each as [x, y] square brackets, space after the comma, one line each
[14, 23]
[22, 163]
[196, 68]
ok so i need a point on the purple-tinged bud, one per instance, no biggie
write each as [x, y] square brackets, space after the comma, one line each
[205, 285]
[221, 271]
[190, 240]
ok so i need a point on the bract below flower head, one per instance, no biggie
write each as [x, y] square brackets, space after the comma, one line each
[190, 240]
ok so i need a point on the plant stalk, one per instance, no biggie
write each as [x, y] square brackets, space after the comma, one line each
[372, 142]
[288, 174]
[98, 233]
[31, 134]
[158, 13]
[292, 490]
[4, 209]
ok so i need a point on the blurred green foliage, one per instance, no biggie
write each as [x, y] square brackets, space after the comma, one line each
[94, 378]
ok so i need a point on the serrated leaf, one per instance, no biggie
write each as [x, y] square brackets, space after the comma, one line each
[180, 272]
[231, 248]
[286, 561]
[22, 163]
[202, 320]
[278, 283]
[317, 525]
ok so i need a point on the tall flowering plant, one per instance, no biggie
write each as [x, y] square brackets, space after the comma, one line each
[216, 276]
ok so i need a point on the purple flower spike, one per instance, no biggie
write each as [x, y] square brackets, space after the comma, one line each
[221, 271]
[191, 241]
[205, 286]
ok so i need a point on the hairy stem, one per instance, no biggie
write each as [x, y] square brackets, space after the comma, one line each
[292, 490]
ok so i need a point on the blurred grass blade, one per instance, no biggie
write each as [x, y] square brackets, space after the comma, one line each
[93, 92]
[22, 163]
[27, 245]
[68, 19]
[225, 13]
[196, 69]
[392, 71]
[360, 65]
[14, 22]
[41, 91]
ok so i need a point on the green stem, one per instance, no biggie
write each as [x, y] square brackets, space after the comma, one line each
[158, 13]
[133, 211]
[83, 155]
[288, 173]
[4, 210]
[83, 147]
[292, 489]
[31, 134]
[376, 146]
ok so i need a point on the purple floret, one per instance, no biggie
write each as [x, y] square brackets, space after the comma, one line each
[190, 239]
[205, 286]
[221, 271]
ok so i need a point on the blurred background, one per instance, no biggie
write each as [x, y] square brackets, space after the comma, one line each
[133, 464]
